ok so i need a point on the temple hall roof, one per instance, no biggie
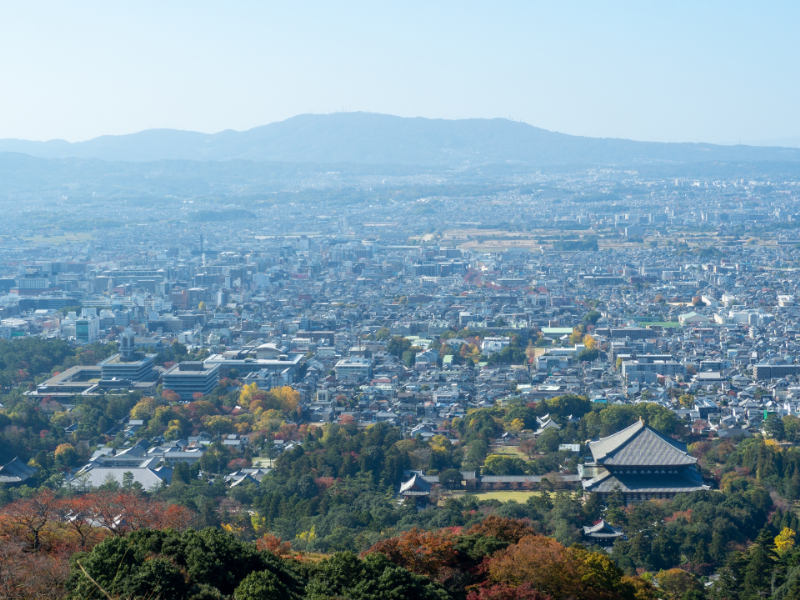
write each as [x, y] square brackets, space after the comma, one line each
[640, 445]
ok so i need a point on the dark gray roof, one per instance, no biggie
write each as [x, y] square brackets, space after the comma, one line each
[527, 478]
[639, 445]
[415, 486]
[16, 472]
[687, 480]
[510, 478]
[602, 530]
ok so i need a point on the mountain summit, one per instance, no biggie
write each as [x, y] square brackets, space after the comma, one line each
[369, 138]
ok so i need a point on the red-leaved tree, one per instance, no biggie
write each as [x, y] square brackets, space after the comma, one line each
[33, 514]
[427, 553]
[503, 528]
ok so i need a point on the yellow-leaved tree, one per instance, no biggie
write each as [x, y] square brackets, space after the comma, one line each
[784, 541]
[248, 393]
[308, 536]
[143, 409]
[218, 424]
[516, 426]
[285, 399]
[440, 443]
[174, 430]
[66, 454]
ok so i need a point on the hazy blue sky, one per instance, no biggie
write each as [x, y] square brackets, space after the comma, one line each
[665, 71]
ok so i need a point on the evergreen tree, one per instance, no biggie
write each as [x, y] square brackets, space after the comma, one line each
[761, 559]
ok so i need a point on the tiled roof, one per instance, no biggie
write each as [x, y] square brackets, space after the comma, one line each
[603, 530]
[408, 488]
[688, 480]
[528, 478]
[639, 445]
[16, 472]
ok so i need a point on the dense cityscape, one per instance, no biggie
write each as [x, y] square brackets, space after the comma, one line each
[399, 301]
[572, 356]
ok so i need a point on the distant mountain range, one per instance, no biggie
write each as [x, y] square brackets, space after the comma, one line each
[367, 138]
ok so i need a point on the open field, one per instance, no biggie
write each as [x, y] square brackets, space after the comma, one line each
[508, 451]
[72, 238]
[501, 495]
[495, 240]
[498, 245]
[315, 557]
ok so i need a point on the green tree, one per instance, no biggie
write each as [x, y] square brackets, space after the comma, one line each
[549, 440]
[450, 478]
[774, 427]
[677, 584]
[592, 317]
[791, 427]
[397, 346]
[409, 358]
[761, 558]
[262, 585]
[497, 464]
[375, 578]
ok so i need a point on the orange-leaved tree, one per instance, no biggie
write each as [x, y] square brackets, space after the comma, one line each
[424, 552]
[503, 528]
[540, 561]
[76, 512]
[33, 514]
[123, 512]
[275, 545]
[563, 573]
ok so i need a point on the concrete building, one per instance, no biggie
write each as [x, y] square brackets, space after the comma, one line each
[136, 368]
[87, 326]
[191, 377]
[356, 366]
[270, 360]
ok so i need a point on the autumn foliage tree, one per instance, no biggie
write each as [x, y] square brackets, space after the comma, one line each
[25, 574]
[562, 573]
[33, 514]
[422, 552]
[122, 512]
[66, 455]
[285, 398]
[275, 545]
[676, 584]
[76, 513]
[503, 528]
[38, 534]
[528, 447]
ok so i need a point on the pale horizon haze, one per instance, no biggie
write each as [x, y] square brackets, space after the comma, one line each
[719, 72]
